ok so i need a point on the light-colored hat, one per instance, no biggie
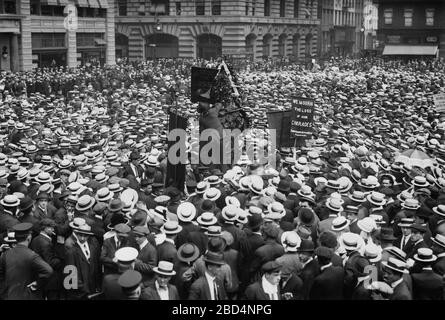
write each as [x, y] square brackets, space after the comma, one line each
[171, 227]
[230, 213]
[290, 241]
[165, 268]
[212, 194]
[339, 224]
[186, 212]
[367, 224]
[126, 255]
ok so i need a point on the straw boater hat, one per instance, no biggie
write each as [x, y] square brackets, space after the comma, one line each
[291, 241]
[165, 268]
[186, 212]
[212, 194]
[376, 198]
[79, 225]
[207, 219]
[425, 255]
[395, 265]
[410, 204]
[440, 210]
[85, 203]
[229, 213]
[339, 224]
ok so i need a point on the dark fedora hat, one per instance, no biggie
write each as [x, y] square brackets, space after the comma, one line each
[26, 203]
[215, 258]
[254, 221]
[386, 234]
[188, 252]
[306, 246]
[283, 186]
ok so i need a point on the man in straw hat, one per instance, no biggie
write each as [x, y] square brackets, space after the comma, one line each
[427, 285]
[393, 271]
[161, 289]
[82, 252]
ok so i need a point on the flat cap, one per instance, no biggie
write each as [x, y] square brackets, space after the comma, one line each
[122, 229]
[271, 266]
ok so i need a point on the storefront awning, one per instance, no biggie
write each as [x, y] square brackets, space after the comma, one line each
[393, 50]
[100, 42]
[103, 3]
[93, 4]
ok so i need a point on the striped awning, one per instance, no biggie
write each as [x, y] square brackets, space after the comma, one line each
[103, 3]
[93, 4]
[405, 50]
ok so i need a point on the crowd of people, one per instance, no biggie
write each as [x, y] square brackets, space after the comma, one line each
[357, 213]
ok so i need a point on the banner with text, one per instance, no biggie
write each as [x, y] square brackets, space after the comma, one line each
[303, 118]
[439, 102]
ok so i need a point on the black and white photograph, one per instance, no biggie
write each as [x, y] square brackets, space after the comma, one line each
[243, 152]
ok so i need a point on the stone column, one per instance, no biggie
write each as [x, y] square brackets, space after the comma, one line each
[25, 56]
[15, 65]
[110, 35]
[71, 44]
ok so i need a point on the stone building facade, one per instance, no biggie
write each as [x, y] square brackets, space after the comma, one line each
[210, 28]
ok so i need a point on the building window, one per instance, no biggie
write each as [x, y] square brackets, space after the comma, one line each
[216, 7]
[282, 8]
[253, 7]
[141, 9]
[247, 8]
[48, 40]
[35, 7]
[122, 4]
[200, 7]
[178, 8]
[296, 7]
[387, 14]
[266, 8]
[88, 39]
[408, 15]
[8, 7]
[429, 14]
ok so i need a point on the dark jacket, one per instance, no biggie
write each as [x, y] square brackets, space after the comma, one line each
[267, 252]
[328, 285]
[401, 292]
[150, 293]
[167, 252]
[88, 271]
[427, 285]
[19, 267]
[107, 254]
[255, 291]
[146, 260]
[293, 285]
[45, 248]
[308, 274]
[200, 290]
[111, 288]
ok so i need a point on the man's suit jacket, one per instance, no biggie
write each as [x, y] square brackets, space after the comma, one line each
[7, 221]
[150, 293]
[439, 266]
[295, 286]
[427, 285]
[308, 274]
[111, 288]
[236, 232]
[19, 267]
[267, 252]
[401, 292]
[166, 252]
[200, 290]
[255, 291]
[146, 260]
[44, 247]
[328, 285]
[88, 271]
[183, 236]
[411, 248]
[199, 239]
[361, 293]
[50, 212]
[107, 254]
[248, 246]
[352, 271]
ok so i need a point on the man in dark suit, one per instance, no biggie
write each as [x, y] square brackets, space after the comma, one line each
[267, 288]
[148, 256]
[161, 289]
[167, 250]
[82, 252]
[208, 287]
[311, 268]
[125, 258]
[416, 241]
[23, 273]
[186, 214]
[43, 245]
[111, 245]
[393, 271]
[133, 171]
[439, 250]
[328, 285]
[427, 285]
[353, 262]
[248, 245]
[227, 220]
[267, 252]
